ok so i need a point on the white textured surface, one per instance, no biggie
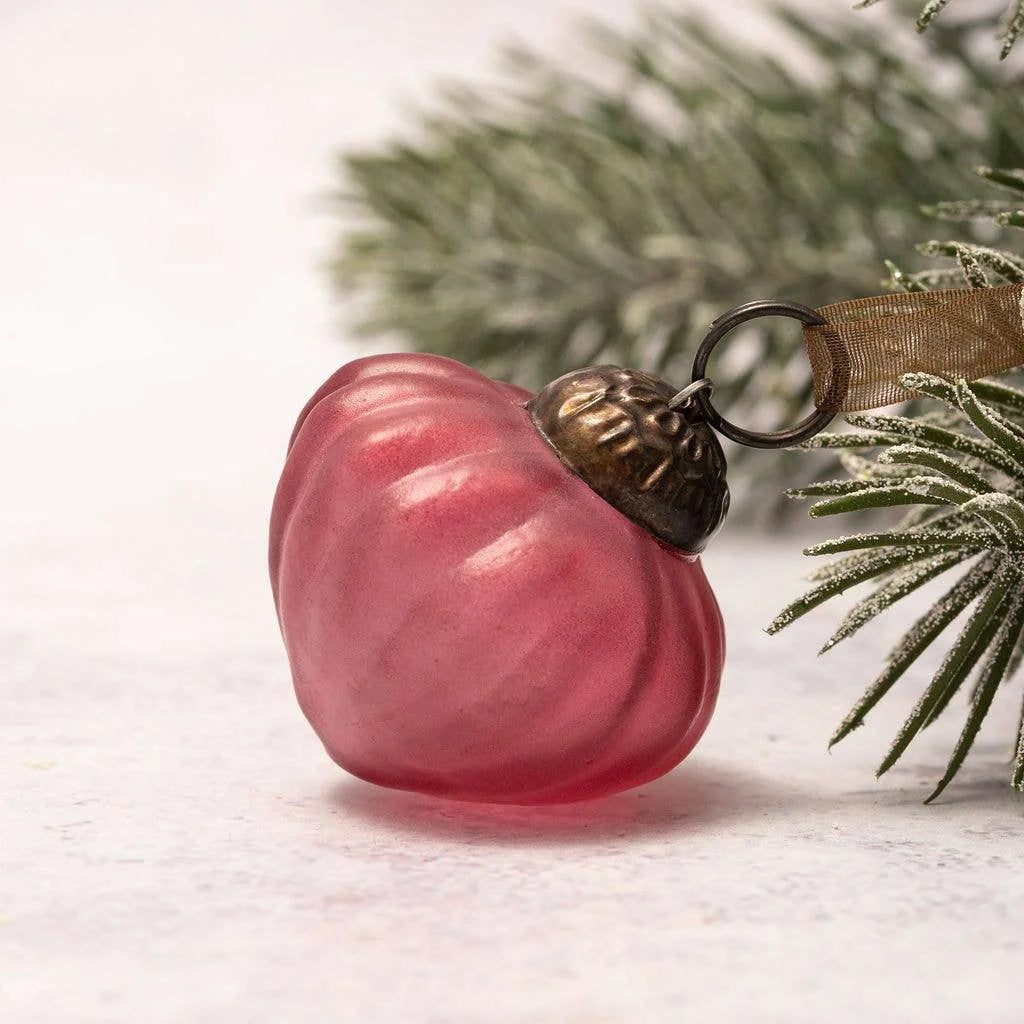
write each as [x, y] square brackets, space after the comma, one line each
[177, 848]
[174, 847]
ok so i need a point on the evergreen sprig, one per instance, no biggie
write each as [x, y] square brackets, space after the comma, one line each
[961, 472]
[564, 220]
[963, 469]
[979, 265]
[1013, 22]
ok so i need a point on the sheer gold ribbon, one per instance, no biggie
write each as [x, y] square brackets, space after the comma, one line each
[870, 343]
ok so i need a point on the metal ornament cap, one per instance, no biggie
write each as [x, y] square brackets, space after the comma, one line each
[661, 466]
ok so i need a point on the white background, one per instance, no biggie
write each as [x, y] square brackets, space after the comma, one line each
[175, 846]
[164, 173]
[165, 166]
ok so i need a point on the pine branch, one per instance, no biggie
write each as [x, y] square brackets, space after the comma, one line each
[974, 471]
[976, 263]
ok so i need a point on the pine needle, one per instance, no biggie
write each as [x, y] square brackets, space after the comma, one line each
[903, 428]
[861, 572]
[991, 425]
[914, 642]
[934, 540]
[1013, 30]
[902, 583]
[922, 490]
[991, 675]
[928, 458]
[929, 12]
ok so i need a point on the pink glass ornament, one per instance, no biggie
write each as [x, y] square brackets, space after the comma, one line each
[464, 616]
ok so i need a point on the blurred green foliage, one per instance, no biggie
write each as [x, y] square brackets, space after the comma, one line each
[564, 219]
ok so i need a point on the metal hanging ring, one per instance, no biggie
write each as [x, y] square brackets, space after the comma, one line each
[806, 428]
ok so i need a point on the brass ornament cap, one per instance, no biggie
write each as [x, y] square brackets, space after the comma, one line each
[661, 467]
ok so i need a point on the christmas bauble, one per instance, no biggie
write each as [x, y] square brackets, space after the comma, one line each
[490, 596]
